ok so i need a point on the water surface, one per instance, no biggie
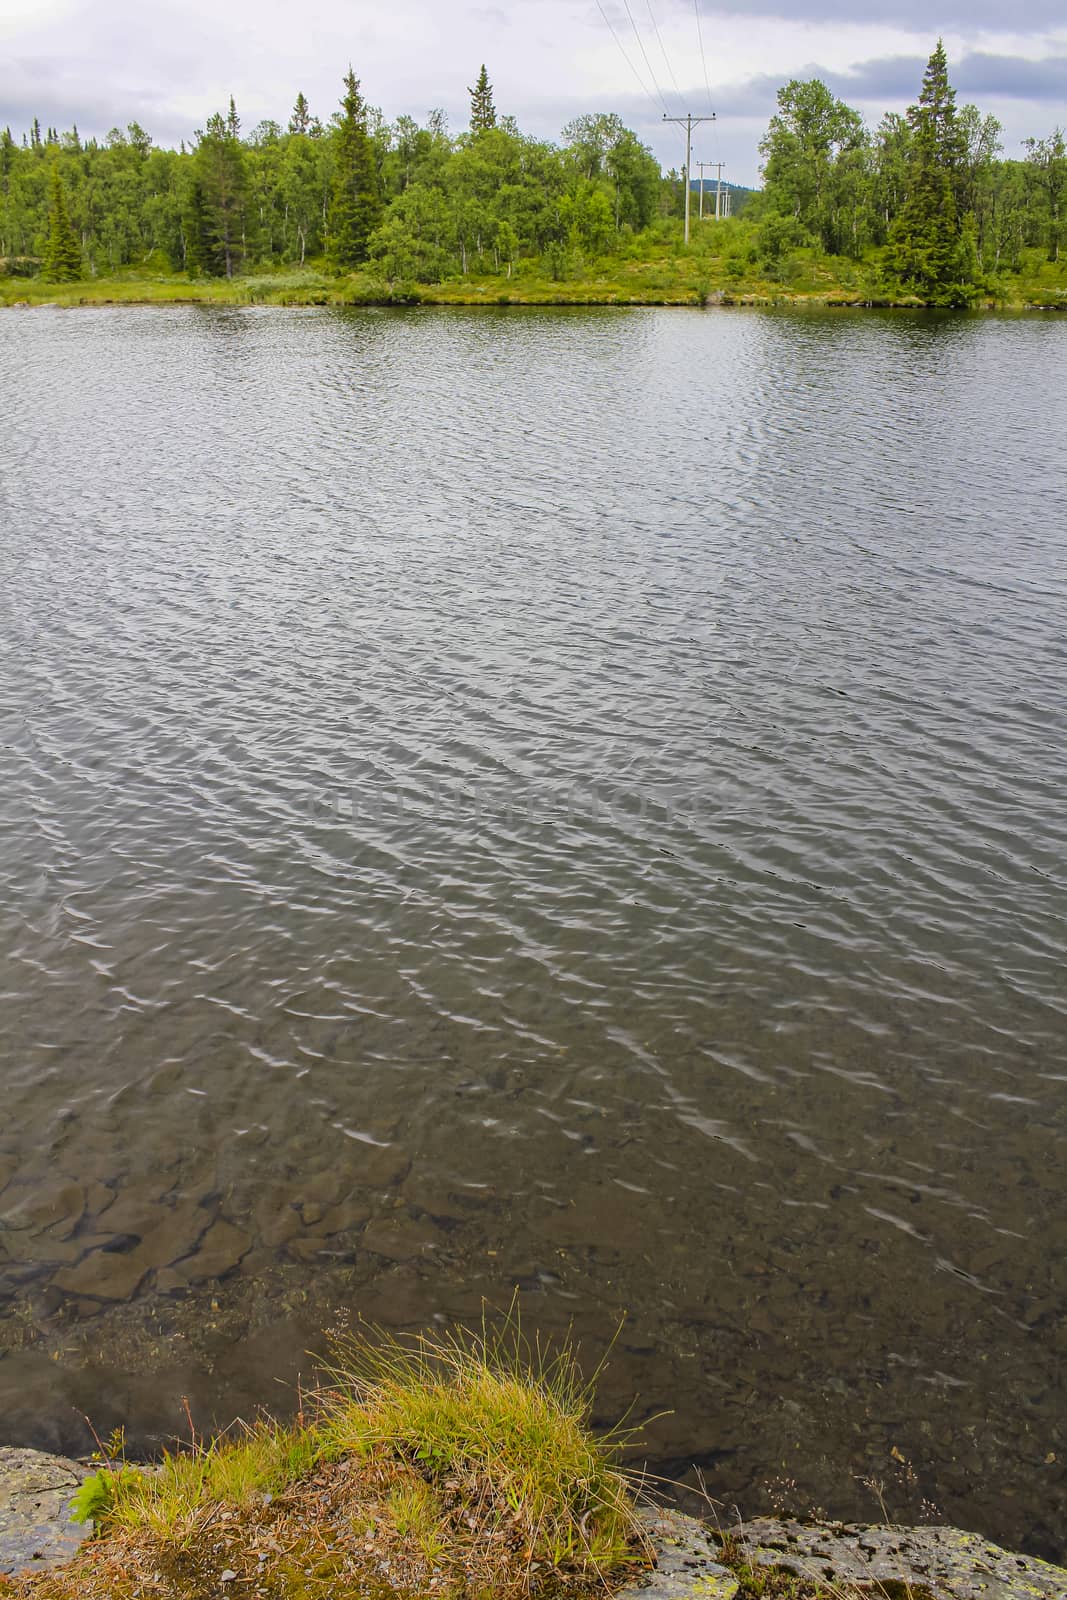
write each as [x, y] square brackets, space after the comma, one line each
[571, 800]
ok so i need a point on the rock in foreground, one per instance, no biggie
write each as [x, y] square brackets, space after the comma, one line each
[945, 1562]
[35, 1523]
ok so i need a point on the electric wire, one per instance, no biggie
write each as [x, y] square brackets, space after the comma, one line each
[703, 57]
[662, 49]
[611, 29]
[648, 64]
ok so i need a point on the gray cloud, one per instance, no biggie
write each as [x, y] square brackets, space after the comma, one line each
[951, 16]
[893, 81]
[40, 90]
[1012, 77]
[1001, 77]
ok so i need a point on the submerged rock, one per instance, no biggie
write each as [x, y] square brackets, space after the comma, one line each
[944, 1562]
[35, 1523]
[220, 1250]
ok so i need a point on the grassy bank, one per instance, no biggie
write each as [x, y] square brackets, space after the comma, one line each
[451, 1467]
[723, 265]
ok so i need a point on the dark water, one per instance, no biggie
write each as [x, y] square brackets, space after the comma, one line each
[567, 800]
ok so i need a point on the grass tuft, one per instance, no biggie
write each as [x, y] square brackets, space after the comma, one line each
[502, 1430]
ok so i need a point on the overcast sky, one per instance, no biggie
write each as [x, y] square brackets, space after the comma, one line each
[169, 63]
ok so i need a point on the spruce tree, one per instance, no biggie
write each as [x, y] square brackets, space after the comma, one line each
[355, 200]
[483, 111]
[200, 255]
[300, 120]
[223, 195]
[930, 250]
[62, 259]
[7, 159]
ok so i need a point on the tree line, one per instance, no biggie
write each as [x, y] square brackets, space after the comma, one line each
[413, 199]
[928, 191]
[926, 200]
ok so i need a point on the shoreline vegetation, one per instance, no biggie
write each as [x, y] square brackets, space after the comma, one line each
[720, 267]
[673, 276]
[924, 210]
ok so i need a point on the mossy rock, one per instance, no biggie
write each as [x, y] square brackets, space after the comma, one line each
[945, 1563]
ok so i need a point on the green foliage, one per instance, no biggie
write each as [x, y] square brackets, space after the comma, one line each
[97, 1495]
[816, 151]
[926, 189]
[779, 236]
[1046, 161]
[264, 1458]
[462, 1464]
[300, 121]
[416, 239]
[218, 219]
[604, 152]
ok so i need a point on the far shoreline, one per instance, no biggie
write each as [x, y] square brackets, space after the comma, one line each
[111, 294]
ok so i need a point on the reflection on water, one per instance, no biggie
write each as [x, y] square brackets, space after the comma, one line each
[571, 800]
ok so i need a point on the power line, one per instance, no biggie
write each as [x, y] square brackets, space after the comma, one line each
[703, 57]
[626, 58]
[662, 49]
[648, 64]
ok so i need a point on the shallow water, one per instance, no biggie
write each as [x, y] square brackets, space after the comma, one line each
[571, 800]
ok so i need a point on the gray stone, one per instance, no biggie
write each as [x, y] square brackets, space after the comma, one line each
[686, 1566]
[945, 1562]
[35, 1524]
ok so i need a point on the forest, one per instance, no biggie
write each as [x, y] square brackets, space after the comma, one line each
[926, 206]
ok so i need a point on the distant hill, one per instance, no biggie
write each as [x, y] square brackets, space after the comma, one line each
[739, 194]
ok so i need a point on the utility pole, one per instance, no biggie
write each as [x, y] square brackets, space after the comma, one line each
[718, 184]
[702, 165]
[687, 122]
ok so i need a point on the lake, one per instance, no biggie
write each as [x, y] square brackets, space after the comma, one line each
[557, 803]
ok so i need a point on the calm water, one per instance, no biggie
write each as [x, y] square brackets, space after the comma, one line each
[567, 800]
